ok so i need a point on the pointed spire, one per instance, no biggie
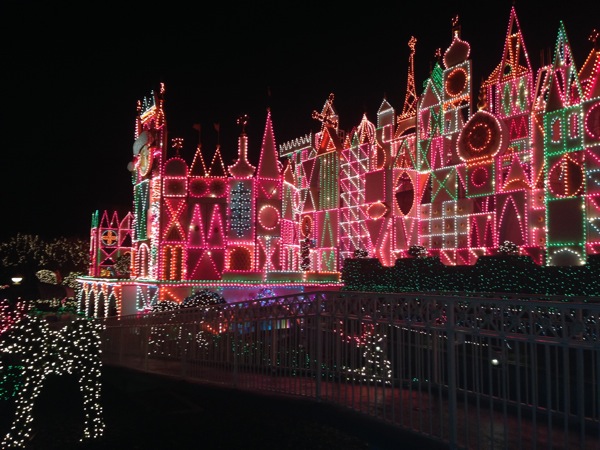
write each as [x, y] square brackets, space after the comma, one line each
[410, 100]
[515, 60]
[198, 167]
[565, 89]
[242, 167]
[365, 131]
[217, 168]
[177, 145]
[268, 164]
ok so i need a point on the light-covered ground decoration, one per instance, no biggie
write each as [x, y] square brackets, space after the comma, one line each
[8, 315]
[71, 349]
[377, 368]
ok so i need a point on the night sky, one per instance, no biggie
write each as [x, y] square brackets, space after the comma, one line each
[73, 72]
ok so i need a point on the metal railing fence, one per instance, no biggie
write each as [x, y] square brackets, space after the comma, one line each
[475, 372]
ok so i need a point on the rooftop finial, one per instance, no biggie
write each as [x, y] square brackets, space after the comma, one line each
[243, 121]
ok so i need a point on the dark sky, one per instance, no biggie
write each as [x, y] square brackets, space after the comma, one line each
[72, 73]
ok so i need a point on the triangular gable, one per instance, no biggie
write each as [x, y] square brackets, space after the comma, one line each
[217, 168]
[104, 222]
[515, 60]
[114, 220]
[565, 89]
[268, 164]
[198, 168]
[516, 177]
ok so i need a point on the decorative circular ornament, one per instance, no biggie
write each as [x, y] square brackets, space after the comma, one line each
[218, 188]
[109, 238]
[306, 226]
[198, 187]
[268, 217]
[377, 210]
[456, 82]
[592, 121]
[481, 137]
[479, 176]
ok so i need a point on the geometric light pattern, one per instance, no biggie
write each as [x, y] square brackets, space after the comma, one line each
[462, 170]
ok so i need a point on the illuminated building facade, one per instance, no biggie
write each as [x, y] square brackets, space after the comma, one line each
[456, 172]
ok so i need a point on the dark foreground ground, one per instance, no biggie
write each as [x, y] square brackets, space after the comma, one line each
[144, 411]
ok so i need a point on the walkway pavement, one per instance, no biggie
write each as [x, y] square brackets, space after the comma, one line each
[148, 411]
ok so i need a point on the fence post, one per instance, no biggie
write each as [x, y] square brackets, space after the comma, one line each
[145, 336]
[235, 360]
[451, 352]
[319, 344]
[183, 349]
[121, 343]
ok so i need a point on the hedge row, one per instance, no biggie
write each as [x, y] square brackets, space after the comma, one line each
[499, 273]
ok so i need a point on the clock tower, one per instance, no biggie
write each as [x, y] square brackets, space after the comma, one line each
[148, 152]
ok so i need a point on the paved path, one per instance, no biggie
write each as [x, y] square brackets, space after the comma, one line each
[479, 425]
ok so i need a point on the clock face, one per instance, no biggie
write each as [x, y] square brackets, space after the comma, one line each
[145, 161]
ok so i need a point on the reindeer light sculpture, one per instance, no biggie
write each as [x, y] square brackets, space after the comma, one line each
[41, 351]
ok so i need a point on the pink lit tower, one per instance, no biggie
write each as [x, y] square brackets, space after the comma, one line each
[197, 226]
